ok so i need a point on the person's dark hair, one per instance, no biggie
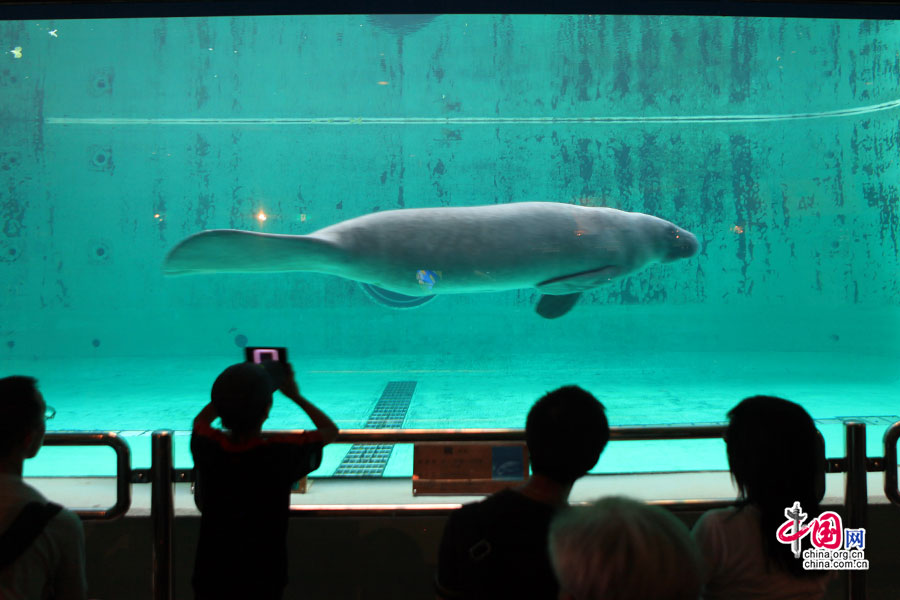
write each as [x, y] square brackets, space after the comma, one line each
[242, 396]
[775, 457]
[20, 410]
[566, 431]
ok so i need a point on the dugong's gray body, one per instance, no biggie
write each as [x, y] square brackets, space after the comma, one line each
[560, 249]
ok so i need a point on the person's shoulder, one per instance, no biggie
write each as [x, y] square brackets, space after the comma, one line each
[67, 519]
[17, 491]
[732, 518]
[469, 521]
[471, 510]
[205, 435]
[300, 438]
[505, 505]
[499, 503]
[720, 514]
[489, 502]
[65, 527]
[511, 500]
[507, 495]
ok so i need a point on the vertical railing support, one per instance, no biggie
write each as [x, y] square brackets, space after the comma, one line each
[856, 497]
[891, 489]
[162, 514]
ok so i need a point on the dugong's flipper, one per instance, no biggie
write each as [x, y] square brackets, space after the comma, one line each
[579, 282]
[551, 307]
[556, 301]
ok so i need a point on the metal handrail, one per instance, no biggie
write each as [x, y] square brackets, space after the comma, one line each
[411, 436]
[408, 436]
[891, 489]
[123, 468]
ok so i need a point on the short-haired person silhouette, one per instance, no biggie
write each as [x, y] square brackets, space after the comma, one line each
[776, 458]
[622, 549]
[244, 479]
[497, 548]
[43, 547]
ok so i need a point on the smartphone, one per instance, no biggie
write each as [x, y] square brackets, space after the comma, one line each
[261, 354]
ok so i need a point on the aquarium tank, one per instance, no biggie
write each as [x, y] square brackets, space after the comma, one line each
[772, 141]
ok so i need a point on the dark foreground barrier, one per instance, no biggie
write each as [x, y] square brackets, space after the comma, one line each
[163, 475]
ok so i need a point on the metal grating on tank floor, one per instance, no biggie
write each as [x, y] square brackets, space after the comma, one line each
[369, 460]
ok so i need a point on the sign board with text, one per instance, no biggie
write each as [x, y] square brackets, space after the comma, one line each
[468, 467]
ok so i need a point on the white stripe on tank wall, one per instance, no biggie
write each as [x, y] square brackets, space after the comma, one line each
[611, 120]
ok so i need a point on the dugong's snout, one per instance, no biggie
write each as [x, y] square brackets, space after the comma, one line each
[682, 244]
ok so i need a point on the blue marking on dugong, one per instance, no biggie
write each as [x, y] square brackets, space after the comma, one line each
[560, 249]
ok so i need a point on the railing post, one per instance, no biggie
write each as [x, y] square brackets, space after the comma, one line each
[162, 514]
[856, 495]
[891, 489]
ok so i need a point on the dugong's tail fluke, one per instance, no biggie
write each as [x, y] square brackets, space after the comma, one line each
[230, 250]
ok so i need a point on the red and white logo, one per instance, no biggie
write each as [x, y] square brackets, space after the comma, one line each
[833, 546]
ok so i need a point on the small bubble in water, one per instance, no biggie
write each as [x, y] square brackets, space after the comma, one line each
[95, 343]
[240, 340]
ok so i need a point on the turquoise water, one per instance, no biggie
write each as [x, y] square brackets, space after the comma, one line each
[773, 140]
[454, 398]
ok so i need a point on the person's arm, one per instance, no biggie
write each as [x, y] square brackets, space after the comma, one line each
[205, 417]
[324, 425]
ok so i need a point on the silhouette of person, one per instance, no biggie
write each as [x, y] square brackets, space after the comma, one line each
[244, 479]
[41, 544]
[497, 548]
[776, 458]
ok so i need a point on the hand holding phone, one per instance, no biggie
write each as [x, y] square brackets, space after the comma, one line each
[274, 359]
[259, 354]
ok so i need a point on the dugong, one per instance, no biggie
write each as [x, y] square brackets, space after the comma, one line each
[404, 257]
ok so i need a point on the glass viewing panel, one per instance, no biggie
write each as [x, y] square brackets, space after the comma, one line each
[771, 143]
